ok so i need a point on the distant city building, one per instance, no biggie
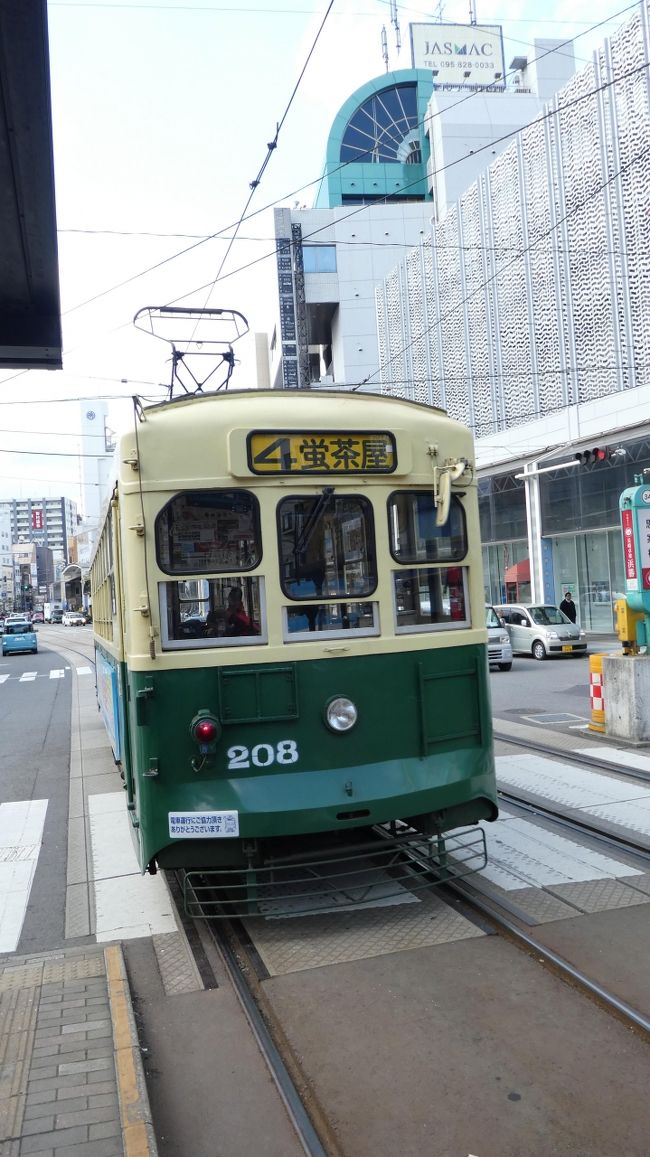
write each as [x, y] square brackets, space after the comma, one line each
[50, 522]
[6, 561]
[33, 575]
[97, 446]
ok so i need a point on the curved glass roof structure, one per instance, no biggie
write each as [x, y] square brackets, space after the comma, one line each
[385, 128]
[377, 149]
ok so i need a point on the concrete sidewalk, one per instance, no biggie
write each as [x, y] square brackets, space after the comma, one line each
[71, 1076]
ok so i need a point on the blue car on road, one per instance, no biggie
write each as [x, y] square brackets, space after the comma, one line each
[19, 637]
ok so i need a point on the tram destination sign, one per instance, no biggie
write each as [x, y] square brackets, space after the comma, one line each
[321, 452]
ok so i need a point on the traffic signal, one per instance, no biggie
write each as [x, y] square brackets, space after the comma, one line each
[598, 454]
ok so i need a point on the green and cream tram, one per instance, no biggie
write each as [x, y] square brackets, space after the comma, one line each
[289, 620]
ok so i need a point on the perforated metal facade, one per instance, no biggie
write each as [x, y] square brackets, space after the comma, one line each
[533, 293]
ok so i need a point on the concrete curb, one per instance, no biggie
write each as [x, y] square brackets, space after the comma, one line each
[135, 1114]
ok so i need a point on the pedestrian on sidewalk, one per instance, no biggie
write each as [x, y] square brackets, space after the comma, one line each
[568, 607]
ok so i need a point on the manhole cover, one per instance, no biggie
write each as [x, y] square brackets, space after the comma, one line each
[557, 717]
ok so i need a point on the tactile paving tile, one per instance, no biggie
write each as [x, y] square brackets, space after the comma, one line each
[535, 903]
[21, 976]
[73, 968]
[314, 941]
[599, 895]
[177, 968]
[642, 882]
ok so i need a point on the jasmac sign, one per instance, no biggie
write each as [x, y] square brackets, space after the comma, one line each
[459, 54]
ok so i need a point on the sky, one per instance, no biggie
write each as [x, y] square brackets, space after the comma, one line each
[162, 113]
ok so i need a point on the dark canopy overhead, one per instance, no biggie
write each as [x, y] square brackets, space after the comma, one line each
[30, 312]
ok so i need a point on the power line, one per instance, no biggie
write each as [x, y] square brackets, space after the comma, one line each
[302, 188]
[443, 168]
[271, 147]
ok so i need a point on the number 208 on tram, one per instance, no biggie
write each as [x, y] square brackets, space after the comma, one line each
[289, 623]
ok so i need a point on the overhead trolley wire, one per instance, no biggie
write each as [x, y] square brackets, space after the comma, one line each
[316, 181]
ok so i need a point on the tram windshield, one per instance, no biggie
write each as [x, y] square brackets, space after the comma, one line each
[414, 536]
[207, 531]
[327, 546]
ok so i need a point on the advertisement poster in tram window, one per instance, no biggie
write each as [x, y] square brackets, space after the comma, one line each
[643, 526]
[629, 551]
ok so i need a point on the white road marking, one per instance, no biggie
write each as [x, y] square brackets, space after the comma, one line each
[3, 678]
[127, 904]
[523, 855]
[28, 677]
[21, 834]
[84, 670]
[618, 755]
[593, 792]
[57, 674]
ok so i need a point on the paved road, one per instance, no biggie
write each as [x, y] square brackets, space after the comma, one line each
[559, 685]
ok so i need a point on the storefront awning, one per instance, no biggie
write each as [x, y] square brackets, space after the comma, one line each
[518, 573]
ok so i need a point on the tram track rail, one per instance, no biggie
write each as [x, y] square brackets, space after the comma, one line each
[490, 909]
[316, 1139]
[579, 826]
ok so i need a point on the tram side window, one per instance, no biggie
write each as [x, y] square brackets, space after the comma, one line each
[431, 598]
[327, 546]
[223, 612]
[208, 531]
[414, 536]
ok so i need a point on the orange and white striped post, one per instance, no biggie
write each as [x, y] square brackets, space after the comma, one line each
[596, 693]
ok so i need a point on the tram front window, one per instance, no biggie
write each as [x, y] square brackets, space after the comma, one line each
[327, 546]
[208, 531]
[414, 536]
[212, 612]
[431, 598]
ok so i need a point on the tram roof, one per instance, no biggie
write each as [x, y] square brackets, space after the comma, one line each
[308, 398]
[187, 440]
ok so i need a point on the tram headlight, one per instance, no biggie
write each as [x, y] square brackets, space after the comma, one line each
[340, 714]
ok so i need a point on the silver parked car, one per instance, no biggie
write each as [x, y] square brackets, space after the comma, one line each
[499, 646]
[541, 629]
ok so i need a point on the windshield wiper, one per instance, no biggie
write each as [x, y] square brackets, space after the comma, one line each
[312, 521]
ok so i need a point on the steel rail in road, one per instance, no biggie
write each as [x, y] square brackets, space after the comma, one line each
[491, 909]
[580, 826]
[630, 1014]
[296, 1111]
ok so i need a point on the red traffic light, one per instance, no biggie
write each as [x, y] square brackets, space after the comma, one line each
[598, 454]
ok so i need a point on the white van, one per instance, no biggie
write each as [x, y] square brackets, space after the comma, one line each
[542, 630]
[499, 646]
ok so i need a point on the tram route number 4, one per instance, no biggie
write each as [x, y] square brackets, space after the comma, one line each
[262, 755]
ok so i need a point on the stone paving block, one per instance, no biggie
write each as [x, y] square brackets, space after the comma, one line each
[104, 1101]
[11, 1115]
[110, 1129]
[53, 1139]
[85, 1025]
[38, 1125]
[110, 1147]
[82, 1067]
[98, 1116]
[96, 1088]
